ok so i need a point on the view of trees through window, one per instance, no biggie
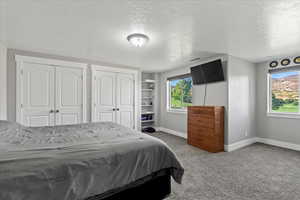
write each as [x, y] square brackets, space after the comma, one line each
[285, 92]
[180, 93]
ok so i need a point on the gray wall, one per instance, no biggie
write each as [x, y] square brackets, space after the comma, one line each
[241, 100]
[282, 129]
[216, 95]
[11, 77]
[237, 94]
[3, 82]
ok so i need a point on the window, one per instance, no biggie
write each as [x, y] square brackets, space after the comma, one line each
[284, 92]
[179, 92]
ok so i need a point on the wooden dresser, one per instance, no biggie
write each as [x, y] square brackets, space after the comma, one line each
[206, 127]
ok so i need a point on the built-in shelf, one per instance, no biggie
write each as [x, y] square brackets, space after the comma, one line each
[147, 113]
[150, 90]
[148, 104]
[148, 81]
[145, 121]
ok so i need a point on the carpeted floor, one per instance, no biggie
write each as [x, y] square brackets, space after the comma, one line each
[259, 172]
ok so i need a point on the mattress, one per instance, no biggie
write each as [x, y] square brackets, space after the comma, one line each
[77, 161]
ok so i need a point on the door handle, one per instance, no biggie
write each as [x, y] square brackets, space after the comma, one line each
[114, 109]
[57, 111]
[118, 109]
[51, 111]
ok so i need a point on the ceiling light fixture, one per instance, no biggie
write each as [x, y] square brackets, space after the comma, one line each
[138, 39]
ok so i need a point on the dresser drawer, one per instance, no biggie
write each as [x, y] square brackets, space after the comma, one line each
[206, 143]
[201, 111]
[201, 131]
[203, 122]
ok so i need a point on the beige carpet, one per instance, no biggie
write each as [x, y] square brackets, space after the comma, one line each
[257, 172]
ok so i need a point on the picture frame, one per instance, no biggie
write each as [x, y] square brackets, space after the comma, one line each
[273, 64]
[297, 60]
[285, 62]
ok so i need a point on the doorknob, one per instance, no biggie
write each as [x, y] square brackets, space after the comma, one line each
[57, 111]
[114, 109]
[51, 111]
[118, 109]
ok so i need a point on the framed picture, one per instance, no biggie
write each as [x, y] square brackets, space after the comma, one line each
[297, 60]
[285, 62]
[273, 64]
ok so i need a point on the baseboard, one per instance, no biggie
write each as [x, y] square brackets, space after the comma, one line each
[278, 143]
[267, 141]
[240, 144]
[172, 132]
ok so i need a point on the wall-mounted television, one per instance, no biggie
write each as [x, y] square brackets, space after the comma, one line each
[208, 73]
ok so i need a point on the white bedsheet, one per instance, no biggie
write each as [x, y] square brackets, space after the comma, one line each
[77, 161]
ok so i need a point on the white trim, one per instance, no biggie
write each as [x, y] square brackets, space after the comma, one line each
[240, 144]
[270, 113]
[172, 132]
[20, 60]
[284, 115]
[181, 112]
[247, 142]
[3, 82]
[278, 143]
[47, 61]
[84, 95]
[243, 143]
[113, 69]
[133, 72]
[19, 91]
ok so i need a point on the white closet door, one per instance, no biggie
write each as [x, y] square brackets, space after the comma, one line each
[104, 90]
[37, 84]
[69, 96]
[125, 100]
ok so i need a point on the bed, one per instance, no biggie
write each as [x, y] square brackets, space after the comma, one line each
[93, 161]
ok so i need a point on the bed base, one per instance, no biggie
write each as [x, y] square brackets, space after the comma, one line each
[157, 188]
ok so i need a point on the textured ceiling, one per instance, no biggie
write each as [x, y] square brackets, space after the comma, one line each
[179, 30]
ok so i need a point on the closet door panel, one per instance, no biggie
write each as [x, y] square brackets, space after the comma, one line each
[69, 96]
[104, 101]
[125, 100]
[37, 95]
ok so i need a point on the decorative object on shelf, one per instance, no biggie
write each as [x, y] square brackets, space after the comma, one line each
[285, 62]
[151, 86]
[273, 64]
[297, 60]
[148, 130]
[146, 117]
[138, 39]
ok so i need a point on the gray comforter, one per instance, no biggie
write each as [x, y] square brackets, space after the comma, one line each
[76, 161]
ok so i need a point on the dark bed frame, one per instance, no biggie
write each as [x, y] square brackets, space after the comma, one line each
[157, 188]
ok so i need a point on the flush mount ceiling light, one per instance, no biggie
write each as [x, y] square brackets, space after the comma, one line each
[138, 39]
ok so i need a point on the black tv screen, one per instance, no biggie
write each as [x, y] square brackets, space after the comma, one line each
[207, 73]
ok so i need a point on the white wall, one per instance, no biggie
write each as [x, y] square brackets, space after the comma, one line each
[216, 95]
[282, 129]
[11, 74]
[241, 98]
[3, 82]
